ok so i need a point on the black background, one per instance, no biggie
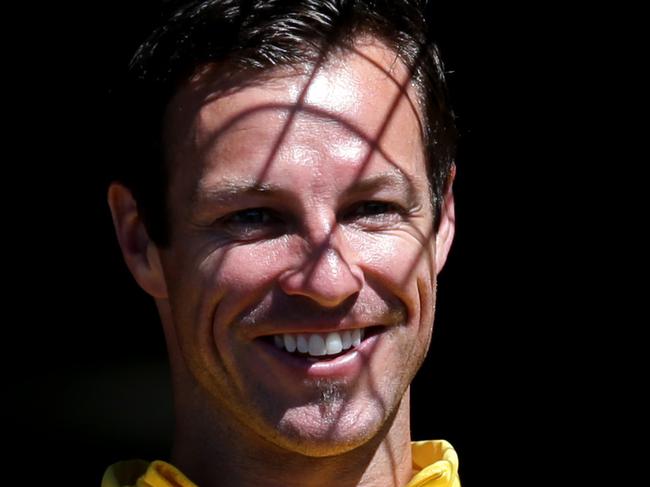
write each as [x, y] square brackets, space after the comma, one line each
[93, 387]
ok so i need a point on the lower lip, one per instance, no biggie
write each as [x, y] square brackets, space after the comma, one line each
[349, 364]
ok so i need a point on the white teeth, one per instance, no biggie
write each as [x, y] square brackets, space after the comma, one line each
[346, 339]
[333, 343]
[302, 344]
[289, 342]
[356, 337]
[317, 344]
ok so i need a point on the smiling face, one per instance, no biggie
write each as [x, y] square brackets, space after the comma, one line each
[300, 278]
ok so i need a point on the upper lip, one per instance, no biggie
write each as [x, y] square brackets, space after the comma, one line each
[295, 317]
[270, 330]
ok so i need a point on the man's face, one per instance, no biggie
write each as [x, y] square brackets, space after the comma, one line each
[301, 270]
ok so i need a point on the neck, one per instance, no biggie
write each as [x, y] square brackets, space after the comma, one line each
[213, 453]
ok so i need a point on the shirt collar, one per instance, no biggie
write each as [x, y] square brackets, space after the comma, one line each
[435, 464]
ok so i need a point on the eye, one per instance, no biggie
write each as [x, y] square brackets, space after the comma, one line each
[252, 223]
[375, 212]
[250, 216]
[371, 208]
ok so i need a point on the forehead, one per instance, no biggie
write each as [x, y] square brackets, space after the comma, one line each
[360, 105]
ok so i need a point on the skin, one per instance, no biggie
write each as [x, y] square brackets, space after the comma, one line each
[293, 207]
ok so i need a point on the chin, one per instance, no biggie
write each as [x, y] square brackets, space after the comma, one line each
[321, 430]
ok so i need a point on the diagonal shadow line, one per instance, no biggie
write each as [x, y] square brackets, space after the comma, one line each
[374, 143]
[299, 104]
[400, 85]
[313, 111]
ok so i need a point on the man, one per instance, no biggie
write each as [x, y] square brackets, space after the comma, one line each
[287, 203]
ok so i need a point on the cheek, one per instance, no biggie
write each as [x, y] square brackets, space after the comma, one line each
[402, 264]
[399, 257]
[242, 274]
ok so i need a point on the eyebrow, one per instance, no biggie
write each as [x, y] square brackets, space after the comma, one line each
[394, 178]
[230, 190]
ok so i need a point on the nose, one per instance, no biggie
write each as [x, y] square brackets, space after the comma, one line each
[328, 275]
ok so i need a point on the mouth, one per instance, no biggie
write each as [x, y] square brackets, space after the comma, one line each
[319, 347]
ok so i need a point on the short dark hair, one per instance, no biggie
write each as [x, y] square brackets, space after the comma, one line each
[259, 35]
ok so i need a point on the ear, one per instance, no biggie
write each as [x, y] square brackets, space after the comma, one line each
[447, 226]
[140, 253]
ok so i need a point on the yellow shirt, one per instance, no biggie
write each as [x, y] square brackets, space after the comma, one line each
[435, 462]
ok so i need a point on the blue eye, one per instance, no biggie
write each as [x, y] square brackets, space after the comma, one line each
[252, 224]
[373, 208]
[251, 216]
[375, 214]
